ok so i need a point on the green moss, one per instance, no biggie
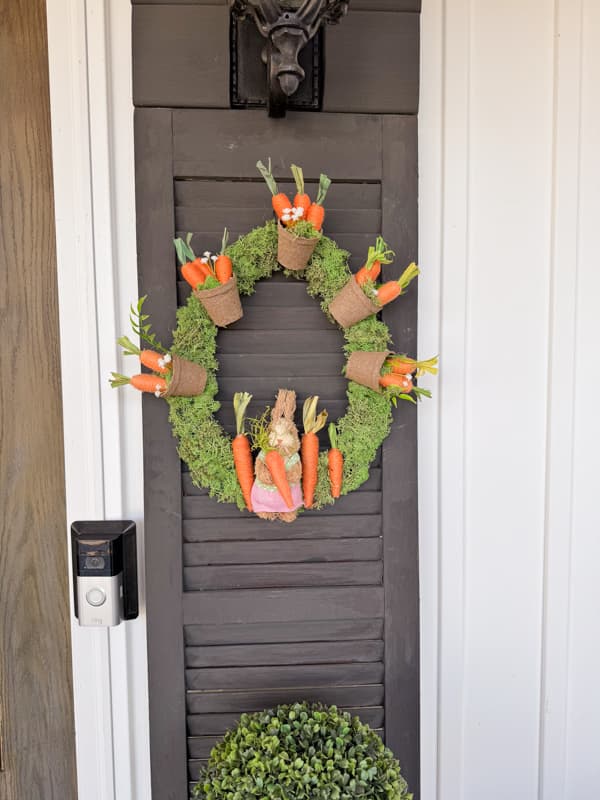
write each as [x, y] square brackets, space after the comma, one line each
[204, 445]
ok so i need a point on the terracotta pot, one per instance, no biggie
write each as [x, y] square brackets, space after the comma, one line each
[294, 252]
[351, 305]
[364, 367]
[222, 303]
[187, 380]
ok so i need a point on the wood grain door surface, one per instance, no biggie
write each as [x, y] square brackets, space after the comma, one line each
[243, 613]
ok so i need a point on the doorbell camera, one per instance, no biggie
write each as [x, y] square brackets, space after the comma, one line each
[104, 571]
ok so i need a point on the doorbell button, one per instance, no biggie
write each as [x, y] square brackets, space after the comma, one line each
[96, 596]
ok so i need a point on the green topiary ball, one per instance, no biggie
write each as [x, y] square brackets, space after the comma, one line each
[300, 751]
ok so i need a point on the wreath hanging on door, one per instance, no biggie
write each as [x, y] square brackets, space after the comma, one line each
[288, 473]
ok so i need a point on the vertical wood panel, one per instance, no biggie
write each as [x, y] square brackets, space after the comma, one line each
[36, 703]
[162, 485]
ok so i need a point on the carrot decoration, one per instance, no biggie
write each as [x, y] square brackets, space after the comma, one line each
[242, 455]
[403, 365]
[157, 362]
[190, 266]
[316, 212]
[144, 382]
[403, 382]
[378, 255]
[280, 201]
[392, 289]
[335, 463]
[223, 264]
[310, 447]
[301, 200]
[273, 459]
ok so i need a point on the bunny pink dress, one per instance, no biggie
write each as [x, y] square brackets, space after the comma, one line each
[267, 498]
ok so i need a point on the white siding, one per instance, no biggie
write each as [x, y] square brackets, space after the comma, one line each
[509, 459]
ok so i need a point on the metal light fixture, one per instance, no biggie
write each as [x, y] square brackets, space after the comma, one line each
[287, 26]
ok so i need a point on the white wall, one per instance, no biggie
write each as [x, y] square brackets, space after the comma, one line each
[510, 464]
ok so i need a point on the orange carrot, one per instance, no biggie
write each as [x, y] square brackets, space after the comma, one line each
[193, 274]
[403, 382]
[223, 264]
[378, 255]
[145, 382]
[280, 201]
[392, 289]
[157, 362]
[310, 447]
[242, 455]
[316, 212]
[335, 464]
[276, 465]
[301, 200]
[401, 365]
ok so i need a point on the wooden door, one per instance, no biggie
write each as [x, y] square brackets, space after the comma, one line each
[244, 614]
[37, 736]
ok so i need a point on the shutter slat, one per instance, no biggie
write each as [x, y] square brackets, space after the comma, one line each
[240, 702]
[314, 675]
[276, 632]
[284, 654]
[354, 503]
[284, 551]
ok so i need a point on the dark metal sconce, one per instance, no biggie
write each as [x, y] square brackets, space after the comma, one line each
[287, 26]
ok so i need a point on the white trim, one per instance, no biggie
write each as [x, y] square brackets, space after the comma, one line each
[90, 87]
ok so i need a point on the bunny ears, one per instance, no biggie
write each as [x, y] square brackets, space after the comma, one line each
[285, 405]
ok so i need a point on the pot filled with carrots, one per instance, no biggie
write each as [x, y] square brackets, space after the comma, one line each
[299, 223]
[362, 296]
[212, 280]
[390, 373]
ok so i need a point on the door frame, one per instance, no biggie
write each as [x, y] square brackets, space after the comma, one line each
[89, 43]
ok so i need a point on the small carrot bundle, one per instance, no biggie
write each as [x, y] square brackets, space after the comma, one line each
[157, 362]
[143, 382]
[335, 463]
[190, 267]
[313, 423]
[223, 264]
[377, 255]
[316, 212]
[403, 365]
[403, 382]
[392, 289]
[240, 446]
[301, 200]
[280, 201]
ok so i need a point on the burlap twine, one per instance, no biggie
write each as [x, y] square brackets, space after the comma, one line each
[222, 303]
[294, 252]
[351, 305]
[188, 379]
[364, 367]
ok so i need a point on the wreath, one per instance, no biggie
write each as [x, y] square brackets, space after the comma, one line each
[186, 374]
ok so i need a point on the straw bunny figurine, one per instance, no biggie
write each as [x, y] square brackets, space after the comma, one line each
[267, 502]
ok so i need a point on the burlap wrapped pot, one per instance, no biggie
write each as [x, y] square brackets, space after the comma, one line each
[294, 252]
[187, 380]
[351, 305]
[222, 303]
[364, 367]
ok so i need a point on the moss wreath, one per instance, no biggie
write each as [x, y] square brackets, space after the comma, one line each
[204, 445]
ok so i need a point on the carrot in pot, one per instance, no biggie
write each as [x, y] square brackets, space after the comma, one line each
[335, 463]
[193, 274]
[301, 200]
[144, 382]
[401, 366]
[377, 255]
[403, 382]
[190, 267]
[240, 446]
[223, 264]
[280, 201]
[392, 289]
[313, 423]
[157, 362]
[316, 212]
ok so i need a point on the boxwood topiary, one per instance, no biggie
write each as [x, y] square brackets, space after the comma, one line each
[301, 751]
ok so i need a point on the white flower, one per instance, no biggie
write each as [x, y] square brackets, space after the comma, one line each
[167, 358]
[287, 210]
[206, 253]
[157, 387]
[161, 362]
[299, 212]
[286, 218]
[213, 258]
[157, 394]
[204, 260]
